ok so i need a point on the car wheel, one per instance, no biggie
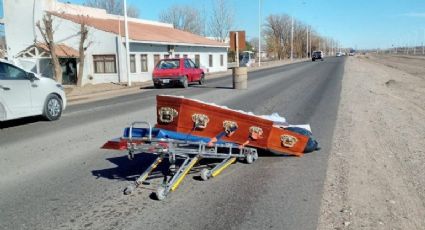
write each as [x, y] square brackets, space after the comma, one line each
[157, 86]
[52, 108]
[312, 60]
[185, 82]
[202, 80]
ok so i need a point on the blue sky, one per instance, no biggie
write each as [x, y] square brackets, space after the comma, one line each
[354, 23]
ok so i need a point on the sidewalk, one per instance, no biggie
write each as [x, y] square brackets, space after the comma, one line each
[90, 93]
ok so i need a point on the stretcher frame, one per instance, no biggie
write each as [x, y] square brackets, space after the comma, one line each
[189, 152]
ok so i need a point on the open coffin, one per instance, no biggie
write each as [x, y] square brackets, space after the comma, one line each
[207, 120]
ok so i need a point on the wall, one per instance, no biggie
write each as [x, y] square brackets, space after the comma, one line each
[20, 17]
[191, 51]
[21, 33]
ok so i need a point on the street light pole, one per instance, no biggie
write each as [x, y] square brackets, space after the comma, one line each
[259, 32]
[127, 45]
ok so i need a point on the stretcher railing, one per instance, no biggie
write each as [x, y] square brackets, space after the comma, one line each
[176, 148]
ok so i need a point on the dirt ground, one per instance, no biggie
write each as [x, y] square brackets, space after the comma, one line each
[376, 173]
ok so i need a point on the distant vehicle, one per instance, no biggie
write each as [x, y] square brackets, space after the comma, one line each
[247, 58]
[317, 55]
[352, 52]
[24, 94]
[338, 54]
[177, 71]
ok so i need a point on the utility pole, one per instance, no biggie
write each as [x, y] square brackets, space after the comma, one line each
[292, 38]
[414, 45]
[423, 48]
[237, 49]
[310, 42]
[306, 50]
[119, 41]
[127, 45]
[259, 32]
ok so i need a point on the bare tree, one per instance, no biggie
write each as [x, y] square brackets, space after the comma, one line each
[221, 20]
[277, 35]
[84, 32]
[47, 32]
[113, 7]
[254, 43]
[184, 17]
[300, 39]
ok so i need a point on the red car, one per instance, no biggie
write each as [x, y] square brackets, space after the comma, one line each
[178, 71]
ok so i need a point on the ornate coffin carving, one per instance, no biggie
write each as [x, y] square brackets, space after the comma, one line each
[229, 127]
[288, 140]
[167, 114]
[200, 120]
[255, 132]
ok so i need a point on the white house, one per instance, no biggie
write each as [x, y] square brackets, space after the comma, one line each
[106, 54]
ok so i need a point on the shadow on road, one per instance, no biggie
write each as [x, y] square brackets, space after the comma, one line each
[127, 169]
[212, 87]
[130, 170]
[22, 121]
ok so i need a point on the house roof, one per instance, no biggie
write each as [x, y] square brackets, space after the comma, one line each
[42, 50]
[61, 50]
[143, 32]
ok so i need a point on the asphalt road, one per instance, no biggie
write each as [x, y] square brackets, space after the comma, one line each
[53, 175]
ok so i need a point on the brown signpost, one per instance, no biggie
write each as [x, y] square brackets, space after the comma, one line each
[240, 75]
[241, 40]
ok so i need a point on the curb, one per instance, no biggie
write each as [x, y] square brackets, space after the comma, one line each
[107, 94]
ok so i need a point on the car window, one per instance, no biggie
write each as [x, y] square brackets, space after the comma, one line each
[13, 73]
[169, 64]
[2, 71]
[192, 64]
[187, 64]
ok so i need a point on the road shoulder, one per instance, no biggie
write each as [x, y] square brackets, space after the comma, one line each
[375, 174]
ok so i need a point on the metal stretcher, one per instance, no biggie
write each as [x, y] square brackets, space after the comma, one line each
[177, 147]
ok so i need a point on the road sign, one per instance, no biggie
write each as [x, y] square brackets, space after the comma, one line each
[241, 40]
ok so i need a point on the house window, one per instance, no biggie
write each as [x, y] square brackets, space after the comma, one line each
[104, 63]
[221, 60]
[144, 61]
[166, 56]
[156, 58]
[177, 56]
[185, 55]
[210, 60]
[197, 60]
[132, 63]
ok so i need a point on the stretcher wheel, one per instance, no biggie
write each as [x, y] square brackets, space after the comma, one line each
[205, 174]
[255, 154]
[129, 189]
[130, 155]
[160, 193]
[249, 158]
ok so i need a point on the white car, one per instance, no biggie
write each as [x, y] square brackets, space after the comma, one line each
[24, 94]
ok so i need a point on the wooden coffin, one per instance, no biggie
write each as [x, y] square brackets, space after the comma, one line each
[208, 120]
